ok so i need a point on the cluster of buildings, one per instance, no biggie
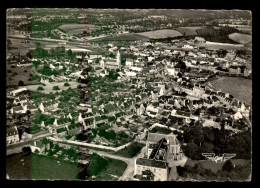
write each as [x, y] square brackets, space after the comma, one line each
[160, 149]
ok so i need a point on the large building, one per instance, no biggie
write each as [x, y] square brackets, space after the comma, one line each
[111, 63]
[158, 168]
[12, 135]
[160, 150]
[174, 150]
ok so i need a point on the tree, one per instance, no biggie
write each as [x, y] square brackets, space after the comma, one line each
[69, 52]
[147, 175]
[21, 83]
[228, 166]
[40, 88]
[191, 150]
[207, 147]
[66, 85]
[27, 149]
[55, 88]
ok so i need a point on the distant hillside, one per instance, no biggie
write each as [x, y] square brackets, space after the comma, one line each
[212, 34]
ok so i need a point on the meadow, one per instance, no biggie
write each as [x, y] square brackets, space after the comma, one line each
[48, 87]
[188, 31]
[241, 38]
[77, 28]
[164, 33]
[25, 166]
[240, 88]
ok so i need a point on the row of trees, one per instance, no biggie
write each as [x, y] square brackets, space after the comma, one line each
[227, 172]
[58, 51]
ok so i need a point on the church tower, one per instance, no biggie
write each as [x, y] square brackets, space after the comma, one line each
[118, 59]
[102, 63]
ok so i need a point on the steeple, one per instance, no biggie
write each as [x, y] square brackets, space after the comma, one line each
[118, 59]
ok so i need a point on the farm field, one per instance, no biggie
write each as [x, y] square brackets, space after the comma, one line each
[216, 46]
[165, 33]
[77, 28]
[188, 31]
[123, 37]
[25, 166]
[18, 46]
[49, 45]
[48, 88]
[241, 38]
[17, 74]
[246, 30]
[240, 88]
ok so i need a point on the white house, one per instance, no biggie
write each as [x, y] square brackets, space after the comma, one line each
[238, 115]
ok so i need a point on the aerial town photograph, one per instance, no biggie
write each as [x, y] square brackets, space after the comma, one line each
[128, 94]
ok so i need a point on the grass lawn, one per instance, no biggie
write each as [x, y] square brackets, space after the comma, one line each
[131, 150]
[39, 168]
[213, 166]
[48, 88]
[21, 75]
[48, 168]
[114, 170]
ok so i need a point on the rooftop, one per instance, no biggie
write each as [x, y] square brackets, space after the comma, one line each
[156, 137]
[152, 163]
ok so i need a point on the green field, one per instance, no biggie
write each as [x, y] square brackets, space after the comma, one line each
[23, 73]
[48, 88]
[188, 31]
[240, 38]
[240, 88]
[39, 168]
[164, 33]
[114, 170]
[131, 150]
[77, 28]
[123, 37]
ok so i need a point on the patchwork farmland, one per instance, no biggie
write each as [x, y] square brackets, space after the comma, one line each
[241, 38]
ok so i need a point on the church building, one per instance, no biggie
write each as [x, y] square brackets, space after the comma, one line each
[112, 64]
